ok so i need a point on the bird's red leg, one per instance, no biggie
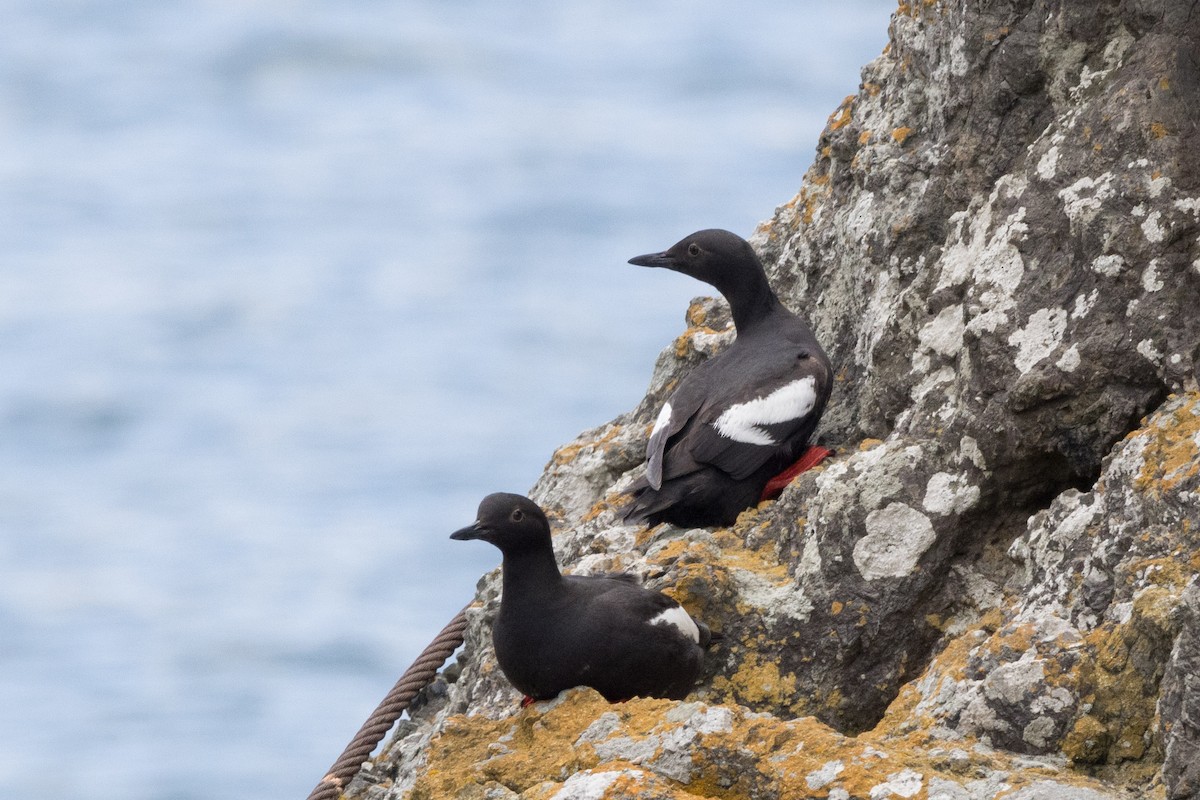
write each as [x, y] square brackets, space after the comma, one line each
[814, 455]
[527, 701]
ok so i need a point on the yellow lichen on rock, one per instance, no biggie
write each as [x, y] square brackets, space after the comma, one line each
[1172, 454]
[1121, 684]
[840, 118]
[568, 453]
[681, 750]
[686, 341]
[759, 682]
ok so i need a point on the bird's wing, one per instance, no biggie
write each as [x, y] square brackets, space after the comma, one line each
[740, 437]
[679, 409]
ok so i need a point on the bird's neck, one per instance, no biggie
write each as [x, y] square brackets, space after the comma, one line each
[751, 302]
[530, 573]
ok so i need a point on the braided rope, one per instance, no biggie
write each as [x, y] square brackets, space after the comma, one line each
[414, 679]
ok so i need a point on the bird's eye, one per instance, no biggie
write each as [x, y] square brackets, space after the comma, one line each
[693, 249]
[518, 515]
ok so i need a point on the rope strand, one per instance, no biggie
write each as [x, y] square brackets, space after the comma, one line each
[414, 679]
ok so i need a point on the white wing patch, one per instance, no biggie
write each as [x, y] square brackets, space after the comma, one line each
[786, 403]
[677, 617]
[664, 419]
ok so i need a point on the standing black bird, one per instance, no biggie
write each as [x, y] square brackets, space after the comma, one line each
[742, 417]
[555, 632]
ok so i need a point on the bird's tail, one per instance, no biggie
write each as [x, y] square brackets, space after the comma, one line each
[708, 637]
[643, 503]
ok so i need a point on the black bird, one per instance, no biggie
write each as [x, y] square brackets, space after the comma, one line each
[742, 417]
[555, 632]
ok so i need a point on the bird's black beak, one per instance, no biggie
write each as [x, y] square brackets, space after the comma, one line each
[475, 531]
[654, 260]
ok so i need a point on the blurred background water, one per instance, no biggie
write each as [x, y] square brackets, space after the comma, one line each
[285, 289]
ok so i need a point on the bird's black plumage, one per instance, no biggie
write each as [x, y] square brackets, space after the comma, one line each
[554, 632]
[741, 417]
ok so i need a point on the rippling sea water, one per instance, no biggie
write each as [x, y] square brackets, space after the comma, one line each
[285, 289]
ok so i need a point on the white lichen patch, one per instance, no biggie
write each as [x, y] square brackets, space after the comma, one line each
[988, 258]
[711, 343]
[824, 775]
[1189, 205]
[1109, 266]
[1150, 280]
[969, 449]
[897, 537]
[1084, 198]
[1150, 352]
[810, 558]
[932, 381]
[877, 318]
[942, 789]
[1039, 338]
[905, 783]
[1070, 360]
[946, 493]
[861, 220]
[1152, 228]
[1047, 166]
[587, 785]
[777, 602]
[944, 333]
[1051, 535]
[1084, 304]
[702, 719]
[604, 726]
[637, 750]
[674, 758]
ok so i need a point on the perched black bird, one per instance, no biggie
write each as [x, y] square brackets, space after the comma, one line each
[555, 632]
[742, 417]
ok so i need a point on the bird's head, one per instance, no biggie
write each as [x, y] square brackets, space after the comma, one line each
[721, 259]
[510, 522]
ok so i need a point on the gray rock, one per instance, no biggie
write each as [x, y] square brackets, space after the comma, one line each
[999, 247]
[1179, 705]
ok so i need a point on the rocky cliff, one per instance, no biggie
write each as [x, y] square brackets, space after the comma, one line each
[992, 589]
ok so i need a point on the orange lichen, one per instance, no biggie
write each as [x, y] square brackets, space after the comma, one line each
[1172, 454]
[759, 682]
[697, 313]
[568, 453]
[684, 342]
[900, 134]
[1158, 130]
[841, 117]
[602, 505]
[733, 754]
[1120, 683]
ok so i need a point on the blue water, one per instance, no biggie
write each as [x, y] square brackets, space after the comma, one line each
[285, 289]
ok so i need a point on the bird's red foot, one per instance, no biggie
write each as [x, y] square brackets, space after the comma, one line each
[814, 455]
[527, 701]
